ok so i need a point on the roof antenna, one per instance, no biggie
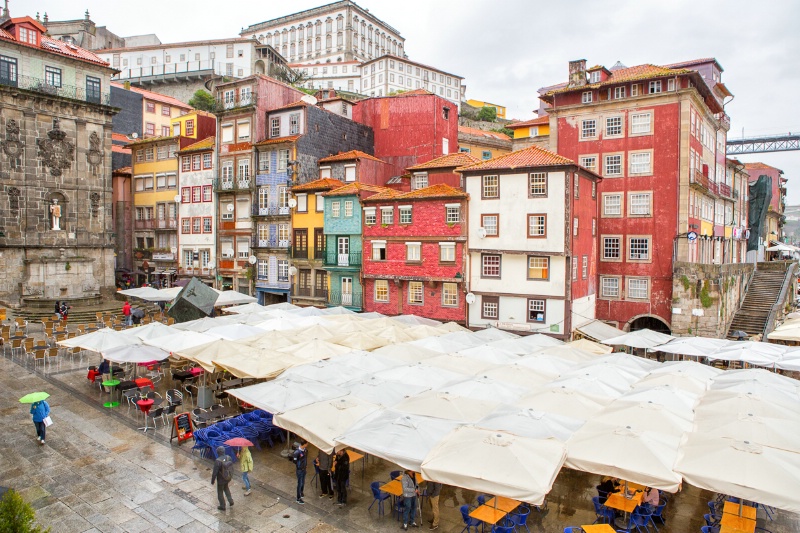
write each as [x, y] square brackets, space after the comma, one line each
[5, 12]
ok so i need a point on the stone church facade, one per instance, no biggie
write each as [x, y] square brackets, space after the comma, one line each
[56, 231]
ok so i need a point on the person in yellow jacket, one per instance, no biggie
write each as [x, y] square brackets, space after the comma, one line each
[246, 464]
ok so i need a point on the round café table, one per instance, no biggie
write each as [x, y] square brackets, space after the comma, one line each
[145, 406]
[111, 384]
[144, 382]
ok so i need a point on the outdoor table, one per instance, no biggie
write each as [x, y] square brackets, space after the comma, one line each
[182, 376]
[145, 405]
[196, 371]
[733, 508]
[394, 487]
[488, 515]
[736, 524]
[417, 475]
[617, 500]
[111, 383]
[631, 485]
[354, 457]
[598, 528]
[503, 503]
[144, 382]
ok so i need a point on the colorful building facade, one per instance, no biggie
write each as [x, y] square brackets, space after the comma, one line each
[196, 211]
[414, 253]
[483, 144]
[440, 171]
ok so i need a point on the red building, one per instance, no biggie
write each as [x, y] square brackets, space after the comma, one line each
[414, 253]
[345, 166]
[657, 135]
[410, 128]
[440, 170]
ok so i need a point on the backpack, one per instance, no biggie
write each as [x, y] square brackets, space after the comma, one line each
[225, 473]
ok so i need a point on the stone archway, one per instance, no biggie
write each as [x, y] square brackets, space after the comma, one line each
[259, 67]
[648, 322]
[55, 198]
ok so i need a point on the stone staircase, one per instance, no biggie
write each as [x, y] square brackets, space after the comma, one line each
[762, 294]
[83, 314]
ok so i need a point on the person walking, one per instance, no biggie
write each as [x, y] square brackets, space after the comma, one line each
[300, 459]
[434, 490]
[323, 463]
[65, 311]
[341, 475]
[39, 411]
[126, 312]
[57, 309]
[246, 464]
[410, 492]
[222, 474]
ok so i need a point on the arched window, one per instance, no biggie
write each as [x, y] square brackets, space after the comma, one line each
[269, 39]
[339, 39]
[291, 50]
[318, 44]
[318, 25]
[292, 34]
[328, 42]
[328, 25]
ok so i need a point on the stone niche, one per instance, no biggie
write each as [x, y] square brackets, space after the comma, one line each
[64, 278]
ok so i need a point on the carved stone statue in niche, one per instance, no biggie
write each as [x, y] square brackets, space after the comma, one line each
[94, 199]
[13, 199]
[94, 156]
[56, 152]
[55, 215]
[12, 146]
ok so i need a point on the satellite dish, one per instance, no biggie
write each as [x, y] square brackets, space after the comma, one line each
[307, 98]
[134, 135]
[482, 233]
[292, 271]
[230, 210]
[470, 298]
[173, 249]
[252, 260]
[177, 198]
[292, 203]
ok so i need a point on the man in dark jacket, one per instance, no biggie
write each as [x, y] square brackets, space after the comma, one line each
[300, 459]
[222, 474]
[323, 463]
[341, 475]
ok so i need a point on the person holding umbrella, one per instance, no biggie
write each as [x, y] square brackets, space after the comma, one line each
[40, 410]
[246, 464]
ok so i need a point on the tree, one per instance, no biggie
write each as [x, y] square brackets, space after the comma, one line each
[506, 131]
[293, 77]
[17, 516]
[488, 114]
[203, 101]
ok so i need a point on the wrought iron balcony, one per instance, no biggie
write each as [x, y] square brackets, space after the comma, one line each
[222, 184]
[347, 299]
[699, 179]
[166, 223]
[227, 104]
[272, 210]
[725, 190]
[308, 292]
[269, 242]
[352, 259]
[40, 85]
[299, 253]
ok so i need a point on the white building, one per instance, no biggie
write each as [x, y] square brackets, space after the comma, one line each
[389, 74]
[344, 76]
[197, 234]
[531, 242]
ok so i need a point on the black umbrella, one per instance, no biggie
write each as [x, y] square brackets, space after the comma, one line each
[138, 313]
[739, 334]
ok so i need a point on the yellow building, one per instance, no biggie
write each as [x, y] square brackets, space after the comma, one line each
[501, 110]
[483, 144]
[531, 132]
[158, 110]
[310, 280]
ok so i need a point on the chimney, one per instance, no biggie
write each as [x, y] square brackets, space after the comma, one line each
[127, 85]
[577, 73]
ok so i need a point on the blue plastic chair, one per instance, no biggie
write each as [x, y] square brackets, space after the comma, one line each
[394, 473]
[657, 514]
[602, 512]
[469, 522]
[639, 519]
[571, 529]
[502, 529]
[520, 519]
[481, 499]
[378, 496]
[709, 529]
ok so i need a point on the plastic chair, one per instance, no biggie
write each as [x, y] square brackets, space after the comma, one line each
[520, 519]
[502, 529]
[709, 529]
[378, 496]
[469, 522]
[602, 513]
[481, 499]
[640, 519]
[394, 473]
[657, 514]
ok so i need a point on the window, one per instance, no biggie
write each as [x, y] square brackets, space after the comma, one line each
[283, 270]
[490, 223]
[619, 92]
[640, 123]
[490, 187]
[263, 161]
[490, 307]
[589, 162]
[348, 208]
[294, 123]
[381, 290]
[613, 126]
[611, 248]
[671, 84]
[283, 159]
[609, 287]
[538, 267]
[244, 170]
[589, 128]
[335, 209]
[635, 89]
[420, 181]
[302, 203]
[150, 129]
[196, 195]
[189, 128]
[415, 292]
[490, 266]
[452, 214]
[447, 252]
[405, 214]
[537, 225]
[207, 160]
[8, 70]
[275, 127]
[536, 310]
[349, 173]
[537, 182]
[186, 195]
[244, 130]
[379, 250]
[594, 227]
[206, 193]
[165, 131]
[161, 152]
[93, 90]
[186, 163]
[186, 225]
[613, 165]
[639, 204]
[166, 110]
[654, 87]
[197, 162]
[387, 215]
[196, 224]
[639, 248]
[449, 295]
[638, 288]
[586, 97]
[612, 204]
[585, 267]
[575, 227]
[413, 251]
[226, 133]
[485, 154]
[640, 163]
[148, 154]
[370, 218]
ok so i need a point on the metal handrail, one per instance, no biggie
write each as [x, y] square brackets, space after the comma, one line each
[40, 85]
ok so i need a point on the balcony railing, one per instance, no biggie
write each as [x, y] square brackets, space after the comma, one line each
[343, 260]
[346, 299]
[267, 284]
[308, 292]
[713, 186]
[299, 253]
[39, 85]
[221, 185]
[148, 223]
[166, 223]
[698, 178]
[226, 104]
[269, 242]
[272, 210]
[725, 190]
[191, 271]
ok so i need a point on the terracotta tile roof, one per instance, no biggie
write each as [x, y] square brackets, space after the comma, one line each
[299, 103]
[150, 95]
[322, 184]
[458, 159]
[205, 144]
[51, 45]
[760, 166]
[118, 148]
[440, 190]
[639, 72]
[692, 62]
[120, 137]
[532, 156]
[123, 170]
[278, 140]
[349, 156]
[483, 133]
[150, 140]
[5, 35]
[356, 188]
[533, 122]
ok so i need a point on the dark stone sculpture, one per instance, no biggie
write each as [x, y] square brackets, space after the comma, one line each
[196, 300]
[760, 197]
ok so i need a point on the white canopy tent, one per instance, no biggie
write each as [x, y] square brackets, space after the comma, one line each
[135, 354]
[385, 393]
[101, 340]
[438, 404]
[642, 338]
[530, 423]
[283, 395]
[233, 298]
[179, 340]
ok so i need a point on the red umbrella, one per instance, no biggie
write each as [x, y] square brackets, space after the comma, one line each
[238, 441]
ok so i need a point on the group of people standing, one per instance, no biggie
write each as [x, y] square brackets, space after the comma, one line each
[333, 469]
[62, 310]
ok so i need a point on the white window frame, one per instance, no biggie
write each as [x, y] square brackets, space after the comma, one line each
[640, 204]
[640, 163]
[586, 97]
[635, 293]
[610, 287]
[449, 294]
[447, 252]
[452, 213]
[640, 126]
[641, 246]
[381, 286]
[588, 128]
[414, 252]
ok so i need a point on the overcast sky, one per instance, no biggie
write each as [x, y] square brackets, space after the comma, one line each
[507, 49]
